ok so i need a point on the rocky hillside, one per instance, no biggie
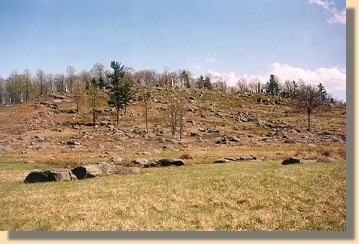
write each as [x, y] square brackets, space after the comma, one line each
[51, 130]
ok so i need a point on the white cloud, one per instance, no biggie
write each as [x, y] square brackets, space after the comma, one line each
[333, 79]
[337, 16]
[231, 77]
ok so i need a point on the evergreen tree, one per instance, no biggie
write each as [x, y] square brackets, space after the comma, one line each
[200, 82]
[120, 93]
[207, 83]
[273, 86]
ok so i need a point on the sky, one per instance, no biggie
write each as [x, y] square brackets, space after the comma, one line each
[293, 39]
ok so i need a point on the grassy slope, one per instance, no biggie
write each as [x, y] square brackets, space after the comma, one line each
[235, 196]
[200, 196]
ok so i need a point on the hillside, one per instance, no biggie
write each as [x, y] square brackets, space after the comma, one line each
[50, 130]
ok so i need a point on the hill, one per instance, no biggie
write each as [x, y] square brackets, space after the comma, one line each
[50, 129]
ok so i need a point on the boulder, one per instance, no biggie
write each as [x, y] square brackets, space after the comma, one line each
[231, 158]
[140, 161]
[221, 160]
[187, 156]
[87, 171]
[288, 161]
[45, 175]
[151, 164]
[170, 162]
[105, 167]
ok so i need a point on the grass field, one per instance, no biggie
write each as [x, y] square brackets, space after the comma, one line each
[261, 195]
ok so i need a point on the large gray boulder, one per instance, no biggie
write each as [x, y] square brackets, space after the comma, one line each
[44, 175]
[86, 171]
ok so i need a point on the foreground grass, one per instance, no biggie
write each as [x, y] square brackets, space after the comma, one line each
[232, 196]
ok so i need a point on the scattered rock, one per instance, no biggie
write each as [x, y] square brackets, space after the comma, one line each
[288, 161]
[45, 175]
[73, 143]
[170, 162]
[144, 153]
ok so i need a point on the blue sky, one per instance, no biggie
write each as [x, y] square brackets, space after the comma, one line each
[230, 38]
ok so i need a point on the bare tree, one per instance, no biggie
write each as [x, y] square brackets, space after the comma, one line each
[308, 99]
[70, 77]
[60, 82]
[99, 75]
[94, 93]
[78, 89]
[242, 85]
[41, 77]
[86, 78]
[177, 112]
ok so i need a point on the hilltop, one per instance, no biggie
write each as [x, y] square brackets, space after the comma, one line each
[50, 130]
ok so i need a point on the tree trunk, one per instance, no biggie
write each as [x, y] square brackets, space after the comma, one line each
[118, 115]
[308, 121]
[94, 109]
[146, 114]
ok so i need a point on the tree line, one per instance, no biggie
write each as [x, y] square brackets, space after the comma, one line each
[22, 87]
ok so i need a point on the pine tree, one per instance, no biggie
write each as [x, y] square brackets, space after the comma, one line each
[273, 86]
[120, 93]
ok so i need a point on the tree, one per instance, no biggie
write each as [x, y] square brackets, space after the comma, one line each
[242, 85]
[41, 77]
[308, 99]
[120, 93]
[176, 114]
[184, 77]
[70, 77]
[78, 89]
[93, 90]
[207, 83]
[146, 99]
[200, 82]
[86, 78]
[50, 83]
[322, 92]
[60, 82]
[14, 88]
[98, 72]
[253, 85]
[273, 85]
[27, 84]
[145, 77]
[220, 83]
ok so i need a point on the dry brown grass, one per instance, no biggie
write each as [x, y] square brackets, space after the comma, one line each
[233, 196]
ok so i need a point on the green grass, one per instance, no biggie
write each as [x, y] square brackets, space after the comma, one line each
[232, 196]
